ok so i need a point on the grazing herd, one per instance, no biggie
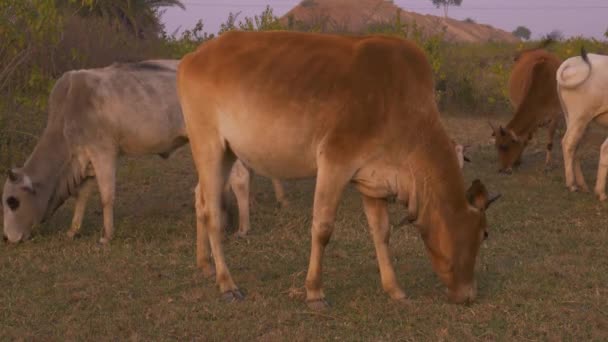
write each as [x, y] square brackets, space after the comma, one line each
[343, 109]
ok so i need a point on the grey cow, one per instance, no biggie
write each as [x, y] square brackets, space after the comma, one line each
[95, 115]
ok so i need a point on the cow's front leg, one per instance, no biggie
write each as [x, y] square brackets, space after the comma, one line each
[79, 208]
[602, 172]
[377, 216]
[104, 164]
[329, 187]
[570, 141]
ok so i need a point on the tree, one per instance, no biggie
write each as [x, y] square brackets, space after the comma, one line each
[135, 15]
[446, 4]
[522, 32]
[556, 35]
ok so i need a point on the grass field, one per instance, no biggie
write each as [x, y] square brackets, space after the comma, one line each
[543, 272]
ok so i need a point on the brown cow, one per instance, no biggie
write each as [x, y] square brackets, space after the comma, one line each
[344, 109]
[533, 94]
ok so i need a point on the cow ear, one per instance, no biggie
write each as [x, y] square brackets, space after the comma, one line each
[477, 195]
[28, 185]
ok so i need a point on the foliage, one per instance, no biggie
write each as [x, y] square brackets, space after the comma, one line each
[522, 32]
[138, 16]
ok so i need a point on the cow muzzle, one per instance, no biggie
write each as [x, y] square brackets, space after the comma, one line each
[465, 294]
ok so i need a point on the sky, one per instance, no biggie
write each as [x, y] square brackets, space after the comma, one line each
[588, 18]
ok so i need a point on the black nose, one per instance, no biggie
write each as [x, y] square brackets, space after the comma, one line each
[485, 235]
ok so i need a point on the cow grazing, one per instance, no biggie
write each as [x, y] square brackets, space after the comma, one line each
[532, 94]
[582, 85]
[344, 109]
[95, 115]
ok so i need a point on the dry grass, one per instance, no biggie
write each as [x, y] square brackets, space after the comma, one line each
[543, 273]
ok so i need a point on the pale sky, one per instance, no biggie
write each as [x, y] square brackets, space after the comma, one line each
[572, 17]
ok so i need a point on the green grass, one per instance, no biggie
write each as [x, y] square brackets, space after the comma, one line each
[543, 272]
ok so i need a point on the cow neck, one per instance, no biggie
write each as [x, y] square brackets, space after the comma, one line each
[51, 167]
[434, 184]
[524, 121]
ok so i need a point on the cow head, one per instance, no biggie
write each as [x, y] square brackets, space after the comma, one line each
[509, 147]
[454, 248]
[22, 208]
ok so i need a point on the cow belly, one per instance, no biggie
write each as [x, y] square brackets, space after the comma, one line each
[274, 150]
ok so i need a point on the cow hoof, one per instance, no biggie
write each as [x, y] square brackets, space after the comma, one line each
[318, 304]
[240, 234]
[104, 241]
[233, 296]
[401, 301]
[573, 188]
[601, 196]
[284, 204]
[72, 235]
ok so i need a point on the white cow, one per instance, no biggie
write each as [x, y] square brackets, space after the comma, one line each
[582, 85]
[95, 115]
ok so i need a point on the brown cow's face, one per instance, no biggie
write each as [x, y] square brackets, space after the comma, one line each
[509, 147]
[454, 251]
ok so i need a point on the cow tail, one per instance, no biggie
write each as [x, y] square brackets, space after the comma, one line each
[576, 78]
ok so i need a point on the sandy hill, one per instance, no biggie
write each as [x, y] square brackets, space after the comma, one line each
[357, 15]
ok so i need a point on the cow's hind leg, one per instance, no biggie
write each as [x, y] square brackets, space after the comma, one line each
[279, 193]
[104, 164]
[574, 133]
[213, 166]
[602, 172]
[330, 184]
[79, 208]
[240, 183]
[376, 211]
[203, 249]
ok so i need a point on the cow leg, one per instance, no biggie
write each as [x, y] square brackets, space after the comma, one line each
[79, 208]
[240, 182]
[329, 187]
[578, 175]
[104, 165]
[602, 172]
[550, 134]
[376, 211]
[279, 193]
[203, 249]
[573, 135]
[213, 167]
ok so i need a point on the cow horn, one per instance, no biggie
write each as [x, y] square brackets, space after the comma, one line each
[492, 199]
[13, 176]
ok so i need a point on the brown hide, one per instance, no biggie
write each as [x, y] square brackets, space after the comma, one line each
[343, 109]
[533, 94]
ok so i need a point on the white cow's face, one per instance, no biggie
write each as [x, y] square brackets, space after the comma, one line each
[21, 207]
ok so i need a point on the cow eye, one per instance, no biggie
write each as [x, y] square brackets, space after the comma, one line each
[12, 203]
